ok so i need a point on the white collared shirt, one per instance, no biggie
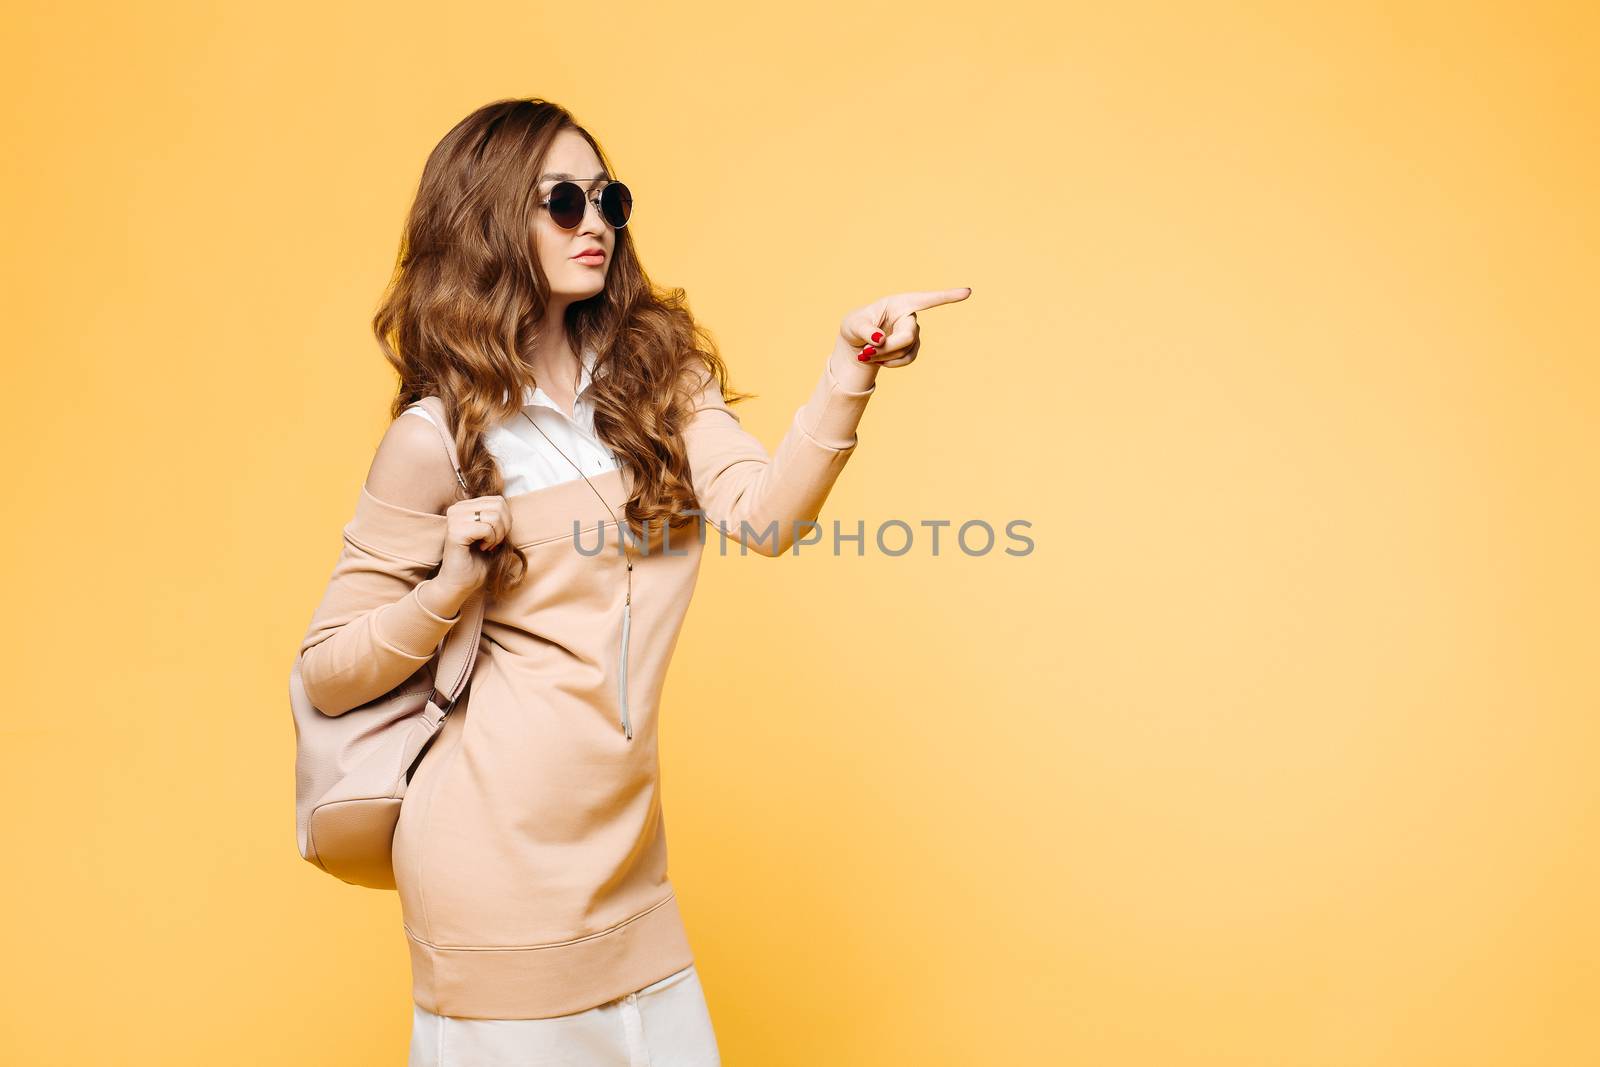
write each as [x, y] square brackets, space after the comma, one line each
[526, 457]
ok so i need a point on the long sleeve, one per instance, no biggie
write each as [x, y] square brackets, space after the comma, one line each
[371, 632]
[757, 499]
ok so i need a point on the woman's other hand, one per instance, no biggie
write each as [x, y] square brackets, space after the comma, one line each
[473, 528]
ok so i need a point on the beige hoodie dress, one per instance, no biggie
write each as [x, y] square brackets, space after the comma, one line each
[531, 855]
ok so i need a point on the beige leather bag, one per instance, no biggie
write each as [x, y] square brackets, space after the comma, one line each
[352, 769]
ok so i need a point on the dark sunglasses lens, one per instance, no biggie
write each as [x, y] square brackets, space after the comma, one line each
[616, 204]
[566, 204]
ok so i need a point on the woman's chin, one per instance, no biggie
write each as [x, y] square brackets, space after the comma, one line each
[584, 288]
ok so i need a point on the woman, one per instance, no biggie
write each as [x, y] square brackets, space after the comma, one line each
[530, 854]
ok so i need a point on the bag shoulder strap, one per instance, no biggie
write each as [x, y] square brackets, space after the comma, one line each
[440, 421]
[460, 649]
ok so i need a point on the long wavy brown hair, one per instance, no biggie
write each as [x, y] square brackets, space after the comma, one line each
[459, 319]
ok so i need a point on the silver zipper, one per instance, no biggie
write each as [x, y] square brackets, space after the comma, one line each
[627, 604]
[622, 673]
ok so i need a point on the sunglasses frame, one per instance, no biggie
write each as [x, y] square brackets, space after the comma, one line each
[595, 200]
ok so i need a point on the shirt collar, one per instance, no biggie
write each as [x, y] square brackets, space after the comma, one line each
[535, 396]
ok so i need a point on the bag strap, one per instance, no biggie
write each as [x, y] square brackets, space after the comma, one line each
[460, 651]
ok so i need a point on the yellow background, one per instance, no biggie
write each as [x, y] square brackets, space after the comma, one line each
[1280, 747]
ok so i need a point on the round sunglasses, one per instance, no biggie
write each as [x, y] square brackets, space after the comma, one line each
[567, 204]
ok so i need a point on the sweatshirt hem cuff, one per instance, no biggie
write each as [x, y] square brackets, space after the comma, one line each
[558, 978]
[410, 628]
[835, 411]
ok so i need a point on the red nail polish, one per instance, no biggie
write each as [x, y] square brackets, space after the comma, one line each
[862, 357]
[877, 335]
[869, 351]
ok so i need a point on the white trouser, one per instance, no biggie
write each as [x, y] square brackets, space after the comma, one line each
[665, 1024]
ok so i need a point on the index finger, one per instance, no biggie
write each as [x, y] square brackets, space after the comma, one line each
[905, 303]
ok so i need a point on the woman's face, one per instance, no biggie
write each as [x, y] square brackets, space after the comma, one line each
[572, 159]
